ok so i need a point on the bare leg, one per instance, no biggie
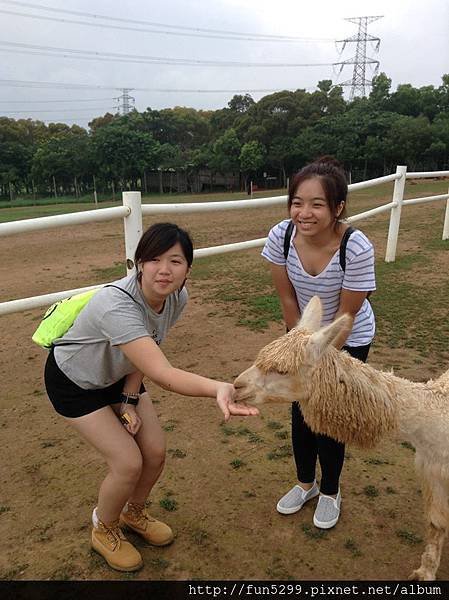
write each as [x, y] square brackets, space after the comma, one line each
[436, 512]
[151, 441]
[103, 431]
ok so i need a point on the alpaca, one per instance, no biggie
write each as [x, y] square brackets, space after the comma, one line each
[354, 403]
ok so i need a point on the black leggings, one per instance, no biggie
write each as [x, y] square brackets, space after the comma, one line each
[308, 446]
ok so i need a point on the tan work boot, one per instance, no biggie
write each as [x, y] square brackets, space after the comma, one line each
[136, 517]
[109, 541]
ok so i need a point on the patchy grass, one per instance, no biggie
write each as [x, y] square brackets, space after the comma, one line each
[249, 494]
[199, 537]
[170, 425]
[260, 311]
[274, 425]
[116, 271]
[237, 463]
[227, 430]
[407, 311]
[14, 572]
[159, 563]
[351, 545]
[252, 437]
[280, 452]
[255, 438]
[277, 570]
[313, 532]
[177, 453]
[371, 491]
[408, 537]
[376, 461]
[168, 503]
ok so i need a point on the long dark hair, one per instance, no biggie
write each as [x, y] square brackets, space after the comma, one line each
[159, 238]
[332, 177]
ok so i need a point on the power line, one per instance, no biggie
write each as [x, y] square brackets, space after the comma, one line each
[50, 85]
[34, 49]
[61, 118]
[263, 36]
[91, 108]
[224, 36]
[53, 101]
[69, 86]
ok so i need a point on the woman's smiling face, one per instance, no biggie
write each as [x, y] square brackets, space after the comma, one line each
[310, 209]
[165, 273]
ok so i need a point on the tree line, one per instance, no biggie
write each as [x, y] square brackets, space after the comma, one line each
[262, 141]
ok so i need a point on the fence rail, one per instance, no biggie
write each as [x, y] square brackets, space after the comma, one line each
[79, 218]
[132, 211]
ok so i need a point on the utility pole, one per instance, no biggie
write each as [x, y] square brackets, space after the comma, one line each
[359, 83]
[126, 102]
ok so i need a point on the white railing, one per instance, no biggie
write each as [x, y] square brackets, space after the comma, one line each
[132, 211]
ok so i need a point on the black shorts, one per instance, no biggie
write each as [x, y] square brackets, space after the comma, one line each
[69, 400]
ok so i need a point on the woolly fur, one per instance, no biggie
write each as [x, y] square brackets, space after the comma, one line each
[356, 404]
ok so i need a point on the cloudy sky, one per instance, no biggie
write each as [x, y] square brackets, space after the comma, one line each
[120, 42]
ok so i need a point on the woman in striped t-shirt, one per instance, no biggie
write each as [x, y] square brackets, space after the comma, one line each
[317, 203]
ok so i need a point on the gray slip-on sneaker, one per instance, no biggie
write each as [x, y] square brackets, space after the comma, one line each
[327, 511]
[295, 498]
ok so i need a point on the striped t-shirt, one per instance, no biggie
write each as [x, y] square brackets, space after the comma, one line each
[358, 276]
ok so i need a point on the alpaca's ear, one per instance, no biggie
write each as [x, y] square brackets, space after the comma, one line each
[311, 317]
[320, 340]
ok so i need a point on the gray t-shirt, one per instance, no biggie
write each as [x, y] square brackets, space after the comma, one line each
[88, 353]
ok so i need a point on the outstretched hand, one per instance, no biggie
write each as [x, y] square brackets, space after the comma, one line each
[225, 395]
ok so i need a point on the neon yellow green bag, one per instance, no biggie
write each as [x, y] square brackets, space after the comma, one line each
[60, 317]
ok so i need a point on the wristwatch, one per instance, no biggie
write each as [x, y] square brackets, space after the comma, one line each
[129, 398]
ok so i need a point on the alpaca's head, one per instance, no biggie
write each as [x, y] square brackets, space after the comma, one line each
[282, 370]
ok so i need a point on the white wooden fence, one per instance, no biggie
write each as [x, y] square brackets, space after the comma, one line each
[132, 211]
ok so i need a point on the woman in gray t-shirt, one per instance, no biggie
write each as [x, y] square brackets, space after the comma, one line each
[94, 374]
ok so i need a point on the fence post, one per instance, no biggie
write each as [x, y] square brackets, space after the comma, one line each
[395, 215]
[446, 221]
[95, 189]
[133, 226]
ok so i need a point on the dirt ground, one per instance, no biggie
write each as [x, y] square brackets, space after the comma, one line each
[222, 482]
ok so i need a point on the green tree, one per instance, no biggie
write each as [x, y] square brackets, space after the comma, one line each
[226, 152]
[407, 141]
[124, 154]
[15, 165]
[241, 104]
[380, 91]
[251, 158]
[64, 157]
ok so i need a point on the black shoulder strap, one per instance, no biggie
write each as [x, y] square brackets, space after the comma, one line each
[287, 238]
[344, 240]
[343, 243]
[122, 290]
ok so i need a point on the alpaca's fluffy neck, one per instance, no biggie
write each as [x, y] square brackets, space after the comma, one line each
[355, 403]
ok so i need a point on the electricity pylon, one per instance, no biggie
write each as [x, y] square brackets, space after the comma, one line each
[359, 83]
[126, 102]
